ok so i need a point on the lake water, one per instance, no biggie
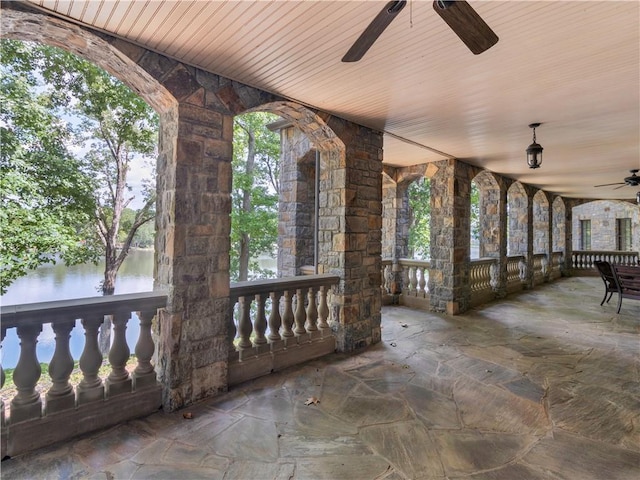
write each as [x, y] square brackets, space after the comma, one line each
[59, 282]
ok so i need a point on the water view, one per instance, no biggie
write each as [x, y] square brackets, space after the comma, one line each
[59, 282]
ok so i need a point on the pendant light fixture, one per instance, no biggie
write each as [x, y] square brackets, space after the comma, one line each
[534, 151]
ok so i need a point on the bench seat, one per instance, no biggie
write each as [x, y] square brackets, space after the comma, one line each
[628, 283]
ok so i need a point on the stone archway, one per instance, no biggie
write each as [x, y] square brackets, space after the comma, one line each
[305, 138]
[350, 217]
[194, 201]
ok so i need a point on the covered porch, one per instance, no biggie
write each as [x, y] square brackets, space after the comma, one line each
[526, 387]
[543, 383]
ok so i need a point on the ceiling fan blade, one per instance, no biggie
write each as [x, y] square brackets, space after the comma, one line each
[373, 31]
[623, 185]
[467, 24]
[609, 184]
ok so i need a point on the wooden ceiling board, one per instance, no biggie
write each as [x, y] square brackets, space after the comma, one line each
[574, 66]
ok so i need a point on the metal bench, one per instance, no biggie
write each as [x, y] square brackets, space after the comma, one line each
[628, 283]
[608, 277]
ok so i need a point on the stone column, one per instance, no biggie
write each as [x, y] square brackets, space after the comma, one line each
[528, 246]
[549, 234]
[568, 232]
[351, 200]
[558, 235]
[493, 230]
[296, 214]
[521, 227]
[449, 289]
[389, 214]
[192, 246]
[396, 219]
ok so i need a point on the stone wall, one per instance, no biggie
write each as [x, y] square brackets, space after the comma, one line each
[559, 225]
[493, 225]
[518, 220]
[603, 215]
[541, 231]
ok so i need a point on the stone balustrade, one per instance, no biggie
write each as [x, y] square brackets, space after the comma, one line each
[387, 277]
[415, 277]
[582, 261]
[66, 410]
[556, 266]
[516, 273]
[277, 323]
[482, 280]
[540, 268]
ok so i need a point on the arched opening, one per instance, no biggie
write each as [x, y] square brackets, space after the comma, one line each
[255, 197]
[309, 151]
[485, 216]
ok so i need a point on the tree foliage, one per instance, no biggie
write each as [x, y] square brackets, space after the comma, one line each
[113, 128]
[46, 197]
[420, 219]
[254, 217]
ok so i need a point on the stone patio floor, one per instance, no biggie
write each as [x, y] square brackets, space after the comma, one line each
[541, 385]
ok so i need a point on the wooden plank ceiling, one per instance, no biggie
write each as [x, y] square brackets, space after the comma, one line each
[573, 66]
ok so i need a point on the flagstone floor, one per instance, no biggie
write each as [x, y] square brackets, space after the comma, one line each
[542, 385]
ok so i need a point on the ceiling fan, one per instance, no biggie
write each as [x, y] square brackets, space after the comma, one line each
[459, 15]
[632, 181]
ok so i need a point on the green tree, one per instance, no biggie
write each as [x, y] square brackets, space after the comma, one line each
[114, 127]
[420, 218]
[46, 198]
[254, 216]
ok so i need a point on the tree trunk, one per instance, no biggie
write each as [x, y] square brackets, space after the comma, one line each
[243, 259]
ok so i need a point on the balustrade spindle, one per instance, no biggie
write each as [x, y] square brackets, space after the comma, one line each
[27, 403]
[61, 395]
[287, 317]
[299, 315]
[413, 280]
[275, 320]
[244, 323]
[90, 388]
[312, 311]
[119, 381]
[388, 279]
[423, 281]
[406, 287]
[323, 309]
[260, 323]
[233, 331]
[144, 375]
